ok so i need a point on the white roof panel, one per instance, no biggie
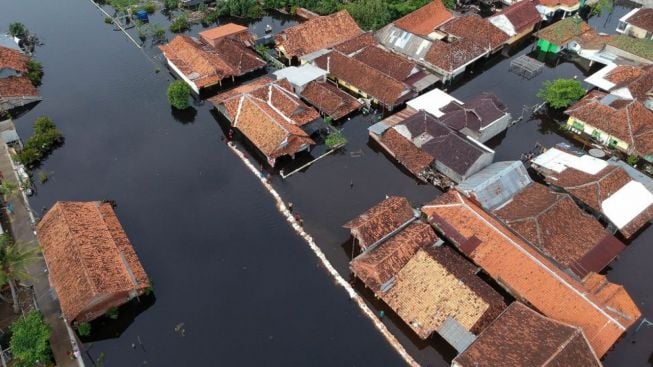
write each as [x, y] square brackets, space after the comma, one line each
[598, 79]
[556, 160]
[627, 203]
[432, 102]
[300, 75]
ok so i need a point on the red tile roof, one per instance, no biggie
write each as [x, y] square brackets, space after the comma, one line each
[521, 337]
[13, 59]
[642, 19]
[387, 90]
[380, 220]
[426, 19]
[406, 153]
[522, 15]
[553, 223]
[17, 86]
[330, 100]
[386, 62]
[89, 257]
[206, 65]
[629, 121]
[603, 310]
[357, 43]
[269, 114]
[230, 30]
[317, 33]
[563, 31]
[554, 3]
[378, 265]
[638, 80]
[474, 37]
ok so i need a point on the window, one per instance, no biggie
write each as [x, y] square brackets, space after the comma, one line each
[621, 26]
[578, 126]
[596, 135]
[613, 143]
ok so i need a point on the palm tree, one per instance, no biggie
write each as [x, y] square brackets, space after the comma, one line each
[15, 259]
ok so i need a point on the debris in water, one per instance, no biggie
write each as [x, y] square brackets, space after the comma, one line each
[179, 329]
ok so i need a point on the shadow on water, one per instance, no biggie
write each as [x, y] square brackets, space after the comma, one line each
[185, 116]
[104, 327]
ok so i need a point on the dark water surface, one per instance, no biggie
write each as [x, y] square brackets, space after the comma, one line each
[223, 261]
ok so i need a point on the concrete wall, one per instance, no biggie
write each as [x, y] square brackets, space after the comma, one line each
[599, 135]
[495, 128]
[636, 32]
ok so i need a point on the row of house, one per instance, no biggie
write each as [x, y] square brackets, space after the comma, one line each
[436, 288]
[16, 89]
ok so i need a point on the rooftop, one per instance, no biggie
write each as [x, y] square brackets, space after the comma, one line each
[406, 153]
[317, 33]
[521, 337]
[222, 31]
[554, 224]
[636, 46]
[329, 99]
[643, 18]
[389, 63]
[522, 15]
[381, 220]
[426, 19]
[475, 114]
[563, 31]
[17, 86]
[357, 43]
[88, 255]
[603, 310]
[432, 102]
[496, 183]
[300, 75]
[13, 59]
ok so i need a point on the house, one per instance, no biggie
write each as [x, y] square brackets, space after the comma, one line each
[517, 20]
[329, 99]
[637, 23]
[300, 76]
[364, 80]
[434, 39]
[432, 102]
[562, 34]
[521, 337]
[632, 49]
[555, 225]
[605, 188]
[603, 310]
[269, 115]
[316, 34]
[421, 141]
[549, 8]
[92, 265]
[202, 66]
[625, 82]
[382, 220]
[15, 89]
[234, 31]
[621, 124]
[495, 184]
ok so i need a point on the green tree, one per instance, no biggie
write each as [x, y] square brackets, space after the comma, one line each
[179, 94]
[30, 341]
[180, 24]
[369, 14]
[84, 329]
[602, 6]
[15, 258]
[449, 4]
[561, 93]
[34, 72]
[17, 29]
[45, 138]
[8, 189]
[170, 4]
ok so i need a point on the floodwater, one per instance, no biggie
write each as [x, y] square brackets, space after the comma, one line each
[234, 285]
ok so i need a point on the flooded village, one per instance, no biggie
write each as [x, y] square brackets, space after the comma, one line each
[462, 184]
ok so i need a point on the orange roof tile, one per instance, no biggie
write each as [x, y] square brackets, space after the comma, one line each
[13, 59]
[17, 86]
[317, 33]
[530, 276]
[222, 31]
[330, 100]
[426, 19]
[380, 220]
[89, 256]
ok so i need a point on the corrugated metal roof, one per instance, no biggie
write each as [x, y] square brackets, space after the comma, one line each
[456, 334]
[496, 183]
[404, 42]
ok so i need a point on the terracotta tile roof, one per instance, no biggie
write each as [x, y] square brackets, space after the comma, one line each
[623, 73]
[637, 46]
[206, 65]
[447, 146]
[357, 43]
[378, 265]
[380, 220]
[406, 153]
[89, 256]
[317, 33]
[638, 80]
[477, 113]
[553, 223]
[437, 284]
[522, 15]
[269, 115]
[642, 19]
[218, 32]
[593, 190]
[521, 337]
[17, 86]
[13, 59]
[426, 19]
[629, 121]
[386, 62]
[474, 37]
[330, 100]
[530, 276]
[554, 3]
[563, 31]
[389, 91]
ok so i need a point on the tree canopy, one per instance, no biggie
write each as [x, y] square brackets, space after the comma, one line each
[561, 93]
[30, 341]
[46, 137]
[179, 94]
[17, 29]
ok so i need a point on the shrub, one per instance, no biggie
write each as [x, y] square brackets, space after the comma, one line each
[170, 4]
[17, 29]
[34, 72]
[45, 138]
[112, 313]
[450, 4]
[84, 329]
[178, 94]
[149, 7]
[561, 93]
[30, 340]
[108, 20]
[43, 177]
[335, 139]
[158, 32]
[180, 24]
[632, 159]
